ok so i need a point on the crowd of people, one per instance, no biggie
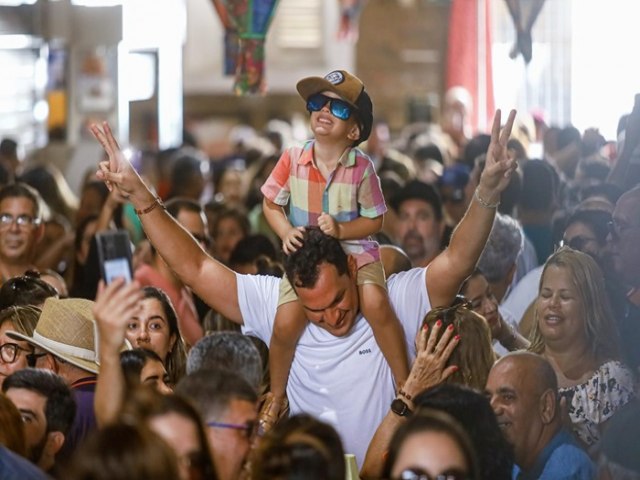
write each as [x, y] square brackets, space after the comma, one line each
[276, 327]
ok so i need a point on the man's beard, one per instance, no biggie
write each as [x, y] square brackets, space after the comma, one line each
[35, 452]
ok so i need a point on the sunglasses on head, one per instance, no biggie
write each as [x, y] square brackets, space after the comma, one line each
[338, 108]
[578, 242]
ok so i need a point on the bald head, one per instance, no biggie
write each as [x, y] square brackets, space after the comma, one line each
[394, 260]
[522, 389]
[535, 368]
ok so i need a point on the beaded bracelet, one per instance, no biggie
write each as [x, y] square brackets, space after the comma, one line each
[484, 203]
[156, 203]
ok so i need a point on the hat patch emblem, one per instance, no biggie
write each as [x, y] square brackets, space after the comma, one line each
[336, 77]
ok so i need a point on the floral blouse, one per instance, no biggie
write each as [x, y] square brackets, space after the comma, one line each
[591, 403]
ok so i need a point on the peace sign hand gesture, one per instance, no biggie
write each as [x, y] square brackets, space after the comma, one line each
[499, 165]
[117, 172]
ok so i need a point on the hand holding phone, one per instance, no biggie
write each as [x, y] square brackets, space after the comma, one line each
[114, 251]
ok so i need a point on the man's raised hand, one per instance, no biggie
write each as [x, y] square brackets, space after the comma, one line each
[116, 171]
[499, 165]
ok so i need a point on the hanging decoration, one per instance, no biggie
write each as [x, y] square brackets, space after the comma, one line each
[231, 40]
[350, 11]
[524, 14]
[251, 20]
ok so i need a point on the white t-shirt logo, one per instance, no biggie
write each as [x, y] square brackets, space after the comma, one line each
[336, 77]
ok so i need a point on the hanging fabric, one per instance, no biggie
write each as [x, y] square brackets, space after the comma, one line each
[251, 20]
[231, 40]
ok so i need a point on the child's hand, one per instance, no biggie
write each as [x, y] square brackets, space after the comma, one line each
[328, 225]
[292, 241]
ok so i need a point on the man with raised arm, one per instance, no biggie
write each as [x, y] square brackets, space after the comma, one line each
[339, 374]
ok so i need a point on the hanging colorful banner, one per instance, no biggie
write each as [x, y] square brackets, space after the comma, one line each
[231, 40]
[350, 11]
[251, 20]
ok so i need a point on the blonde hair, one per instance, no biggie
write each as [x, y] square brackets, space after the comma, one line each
[600, 328]
[474, 354]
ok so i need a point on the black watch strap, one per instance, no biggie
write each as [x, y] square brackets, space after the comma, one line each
[400, 408]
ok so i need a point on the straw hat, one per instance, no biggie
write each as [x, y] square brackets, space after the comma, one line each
[66, 329]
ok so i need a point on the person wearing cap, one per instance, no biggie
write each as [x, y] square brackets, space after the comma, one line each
[420, 223]
[455, 194]
[331, 184]
[339, 375]
[64, 342]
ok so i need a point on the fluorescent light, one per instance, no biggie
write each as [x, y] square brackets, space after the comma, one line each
[96, 3]
[16, 42]
[13, 3]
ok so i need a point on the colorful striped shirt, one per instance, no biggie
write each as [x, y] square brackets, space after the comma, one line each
[352, 190]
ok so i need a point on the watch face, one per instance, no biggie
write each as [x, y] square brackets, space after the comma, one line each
[400, 408]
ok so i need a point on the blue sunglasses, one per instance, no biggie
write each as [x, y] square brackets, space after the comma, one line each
[338, 108]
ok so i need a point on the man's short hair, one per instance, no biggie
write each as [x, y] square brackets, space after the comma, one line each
[8, 147]
[502, 249]
[60, 409]
[302, 266]
[539, 186]
[229, 350]
[417, 190]
[178, 204]
[22, 190]
[211, 391]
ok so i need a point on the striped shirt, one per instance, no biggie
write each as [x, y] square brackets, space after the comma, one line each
[352, 190]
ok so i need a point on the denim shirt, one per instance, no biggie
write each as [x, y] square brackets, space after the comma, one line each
[561, 459]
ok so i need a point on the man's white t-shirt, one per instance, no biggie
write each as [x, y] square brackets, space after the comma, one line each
[523, 294]
[344, 381]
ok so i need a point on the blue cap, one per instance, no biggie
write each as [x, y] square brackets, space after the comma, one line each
[456, 176]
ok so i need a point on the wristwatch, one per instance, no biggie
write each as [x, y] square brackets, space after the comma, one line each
[400, 408]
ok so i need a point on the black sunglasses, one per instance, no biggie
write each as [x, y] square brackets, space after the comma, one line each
[448, 314]
[578, 242]
[338, 108]
[33, 357]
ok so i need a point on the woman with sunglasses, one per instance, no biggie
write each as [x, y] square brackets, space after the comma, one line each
[13, 353]
[332, 185]
[431, 445]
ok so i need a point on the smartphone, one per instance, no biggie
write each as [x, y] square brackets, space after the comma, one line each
[114, 252]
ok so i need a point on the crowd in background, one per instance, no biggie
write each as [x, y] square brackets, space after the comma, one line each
[558, 284]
